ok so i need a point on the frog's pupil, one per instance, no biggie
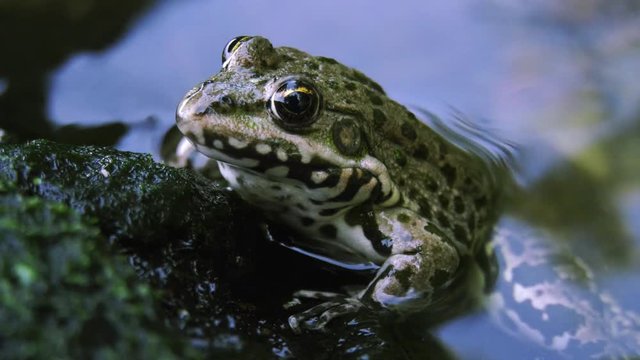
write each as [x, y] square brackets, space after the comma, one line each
[295, 104]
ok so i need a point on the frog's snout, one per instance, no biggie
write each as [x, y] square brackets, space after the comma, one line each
[201, 101]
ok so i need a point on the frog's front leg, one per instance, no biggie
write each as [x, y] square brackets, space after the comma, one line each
[421, 262]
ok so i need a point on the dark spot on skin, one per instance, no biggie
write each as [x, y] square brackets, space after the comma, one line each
[425, 208]
[350, 86]
[295, 157]
[408, 131]
[329, 231]
[329, 212]
[449, 173]
[444, 200]
[375, 99]
[480, 202]
[461, 234]
[421, 152]
[401, 160]
[326, 60]
[471, 223]
[432, 185]
[354, 184]
[413, 193]
[403, 218]
[443, 220]
[306, 221]
[431, 228]
[404, 278]
[361, 78]
[439, 278]
[378, 197]
[379, 118]
[458, 205]
[471, 186]
[330, 181]
[364, 216]
[209, 137]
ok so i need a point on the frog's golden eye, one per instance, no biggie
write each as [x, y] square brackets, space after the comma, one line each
[296, 104]
[232, 46]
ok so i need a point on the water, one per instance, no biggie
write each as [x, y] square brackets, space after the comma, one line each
[557, 78]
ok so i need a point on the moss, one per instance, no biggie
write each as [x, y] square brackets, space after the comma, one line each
[66, 295]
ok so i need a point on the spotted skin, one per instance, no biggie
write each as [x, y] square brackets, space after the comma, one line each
[321, 148]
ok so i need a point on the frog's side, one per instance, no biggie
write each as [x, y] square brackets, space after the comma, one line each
[321, 148]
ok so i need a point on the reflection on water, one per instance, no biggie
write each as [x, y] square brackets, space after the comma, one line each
[38, 36]
[3, 86]
[555, 77]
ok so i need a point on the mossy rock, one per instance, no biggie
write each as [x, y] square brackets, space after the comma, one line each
[203, 267]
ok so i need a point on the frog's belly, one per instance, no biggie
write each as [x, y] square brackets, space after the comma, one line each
[324, 229]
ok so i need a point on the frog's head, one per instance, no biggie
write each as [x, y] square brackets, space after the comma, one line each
[283, 113]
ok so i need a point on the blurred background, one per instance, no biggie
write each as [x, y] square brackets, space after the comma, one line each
[559, 79]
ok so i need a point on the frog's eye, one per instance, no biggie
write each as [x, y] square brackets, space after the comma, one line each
[232, 46]
[295, 104]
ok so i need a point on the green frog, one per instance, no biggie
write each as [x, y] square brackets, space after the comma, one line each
[322, 150]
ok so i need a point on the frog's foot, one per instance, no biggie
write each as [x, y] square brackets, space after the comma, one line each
[320, 315]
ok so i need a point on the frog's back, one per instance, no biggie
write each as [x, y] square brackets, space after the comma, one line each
[452, 187]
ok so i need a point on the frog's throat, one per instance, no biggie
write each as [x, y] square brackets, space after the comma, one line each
[313, 171]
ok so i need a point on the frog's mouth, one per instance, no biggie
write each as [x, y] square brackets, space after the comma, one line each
[279, 160]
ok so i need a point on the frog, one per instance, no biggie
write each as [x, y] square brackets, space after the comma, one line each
[321, 149]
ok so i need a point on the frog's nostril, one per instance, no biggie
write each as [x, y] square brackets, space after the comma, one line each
[222, 104]
[227, 100]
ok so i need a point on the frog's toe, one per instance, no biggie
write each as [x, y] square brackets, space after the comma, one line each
[320, 315]
[317, 295]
